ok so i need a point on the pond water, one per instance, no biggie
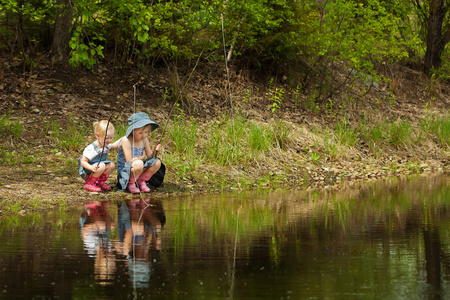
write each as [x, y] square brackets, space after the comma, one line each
[386, 240]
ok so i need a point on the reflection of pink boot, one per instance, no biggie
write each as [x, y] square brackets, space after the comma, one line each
[90, 186]
[102, 182]
[132, 188]
[142, 182]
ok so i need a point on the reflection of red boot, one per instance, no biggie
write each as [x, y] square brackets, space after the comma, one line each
[142, 182]
[89, 184]
[102, 182]
[132, 188]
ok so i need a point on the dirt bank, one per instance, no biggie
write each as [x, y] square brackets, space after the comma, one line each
[57, 94]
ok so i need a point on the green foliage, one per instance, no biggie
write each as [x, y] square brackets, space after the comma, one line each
[276, 99]
[10, 127]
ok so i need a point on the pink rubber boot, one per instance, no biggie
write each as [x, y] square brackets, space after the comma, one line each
[102, 182]
[142, 182]
[132, 188]
[89, 184]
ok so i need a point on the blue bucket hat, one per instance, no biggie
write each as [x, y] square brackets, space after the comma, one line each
[139, 120]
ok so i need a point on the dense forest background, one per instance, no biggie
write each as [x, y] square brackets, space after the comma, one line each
[299, 42]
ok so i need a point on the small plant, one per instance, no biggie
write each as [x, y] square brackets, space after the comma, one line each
[315, 158]
[9, 158]
[276, 99]
[165, 96]
[297, 92]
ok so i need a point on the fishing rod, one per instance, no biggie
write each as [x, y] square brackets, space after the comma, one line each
[106, 130]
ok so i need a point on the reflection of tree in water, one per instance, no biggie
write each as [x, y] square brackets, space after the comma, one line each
[95, 227]
[139, 229]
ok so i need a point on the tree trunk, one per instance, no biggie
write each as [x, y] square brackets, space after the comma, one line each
[436, 41]
[62, 34]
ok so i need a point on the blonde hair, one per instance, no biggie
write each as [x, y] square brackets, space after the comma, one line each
[100, 127]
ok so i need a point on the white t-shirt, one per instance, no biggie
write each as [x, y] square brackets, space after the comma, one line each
[91, 151]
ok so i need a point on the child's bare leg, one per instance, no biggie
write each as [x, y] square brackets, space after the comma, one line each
[109, 168]
[100, 171]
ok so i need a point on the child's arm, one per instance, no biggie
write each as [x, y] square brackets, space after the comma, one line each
[148, 153]
[115, 145]
[126, 147]
[85, 164]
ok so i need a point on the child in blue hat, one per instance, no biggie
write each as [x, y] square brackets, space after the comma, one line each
[136, 162]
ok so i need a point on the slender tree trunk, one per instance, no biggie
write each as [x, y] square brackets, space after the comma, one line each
[436, 40]
[62, 34]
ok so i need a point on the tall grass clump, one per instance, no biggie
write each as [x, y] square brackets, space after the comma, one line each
[73, 137]
[260, 139]
[372, 134]
[280, 134]
[439, 127]
[345, 133]
[225, 144]
[399, 133]
[184, 135]
[10, 127]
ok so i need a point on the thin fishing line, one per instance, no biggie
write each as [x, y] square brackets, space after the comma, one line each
[233, 124]
[106, 130]
[226, 64]
[231, 291]
[134, 113]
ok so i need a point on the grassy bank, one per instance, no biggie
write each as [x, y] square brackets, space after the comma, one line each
[239, 152]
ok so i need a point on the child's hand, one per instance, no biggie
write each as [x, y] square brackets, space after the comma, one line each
[95, 169]
[157, 149]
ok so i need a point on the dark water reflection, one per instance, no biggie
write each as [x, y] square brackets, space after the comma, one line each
[379, 241]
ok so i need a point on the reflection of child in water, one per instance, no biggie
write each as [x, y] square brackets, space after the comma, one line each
[95, 226]
[139, 231]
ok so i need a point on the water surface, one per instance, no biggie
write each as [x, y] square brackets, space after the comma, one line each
[388, 240]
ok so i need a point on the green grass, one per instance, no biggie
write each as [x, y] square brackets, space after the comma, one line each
[345, 133]
[399, 133]
[71, 138]
[439, 128]
[10, 127]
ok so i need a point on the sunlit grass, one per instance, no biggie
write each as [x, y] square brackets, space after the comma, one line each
[439, 128]
[399, 133]
[71, 138]
[346, 134]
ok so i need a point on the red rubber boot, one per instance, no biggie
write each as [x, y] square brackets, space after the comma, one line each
[132, 188]
[89, 184]
[142, 182]
[102, 182]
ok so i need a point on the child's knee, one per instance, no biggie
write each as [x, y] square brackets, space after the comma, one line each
[110, 166]
[157, 164]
